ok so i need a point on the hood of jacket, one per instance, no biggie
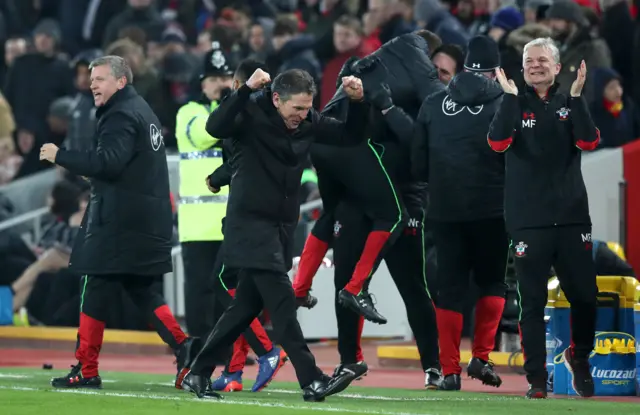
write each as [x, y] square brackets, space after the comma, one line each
[471, 89]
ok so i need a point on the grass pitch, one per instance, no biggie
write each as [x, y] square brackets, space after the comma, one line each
[27, 392]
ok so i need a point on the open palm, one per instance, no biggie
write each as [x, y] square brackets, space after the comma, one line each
[508, 86]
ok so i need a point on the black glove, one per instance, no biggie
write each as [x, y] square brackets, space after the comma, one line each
[380, 97]
[366, 64]
[346, 70]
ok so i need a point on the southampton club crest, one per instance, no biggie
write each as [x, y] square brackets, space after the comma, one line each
[521, 249]
[336, 229]
[563, 113]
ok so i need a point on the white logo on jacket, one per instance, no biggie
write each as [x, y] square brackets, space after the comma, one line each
[156, 137]
[451, 108]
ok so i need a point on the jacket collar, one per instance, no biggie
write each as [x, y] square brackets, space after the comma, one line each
[123, 94]
[550, 93]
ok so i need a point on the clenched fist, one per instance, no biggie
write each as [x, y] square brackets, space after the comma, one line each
[353, 87]
[258, 79]
[49, 152]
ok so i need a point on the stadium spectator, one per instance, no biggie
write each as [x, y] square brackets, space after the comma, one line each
[449, 59]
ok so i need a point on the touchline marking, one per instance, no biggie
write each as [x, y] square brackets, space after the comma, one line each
[322, 407]
[14, 376]
[389, 398]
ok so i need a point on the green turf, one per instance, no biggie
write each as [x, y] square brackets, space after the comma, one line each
[27, 391]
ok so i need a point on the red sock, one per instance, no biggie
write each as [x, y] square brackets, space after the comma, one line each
[165, 315]
[239, 356]
[359, 354]
[90, 332]
[258, 330]
[261, 334]
[373, 246]
[310, 260]
[449, 334]
[488, 315]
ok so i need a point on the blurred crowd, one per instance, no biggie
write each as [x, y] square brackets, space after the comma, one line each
[48, 45]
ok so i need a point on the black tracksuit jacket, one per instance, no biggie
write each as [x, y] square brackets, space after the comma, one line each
[450, 152]
[543, 140]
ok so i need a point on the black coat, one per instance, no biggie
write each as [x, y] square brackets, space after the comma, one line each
[128, 225]
[405, 66]
[450, 151]
[544, 140]
[268, 160]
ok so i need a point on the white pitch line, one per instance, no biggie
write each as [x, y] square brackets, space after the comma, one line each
[321, 407]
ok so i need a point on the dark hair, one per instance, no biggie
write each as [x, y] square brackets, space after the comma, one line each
[247, 67]
[285, 25]
[293, 82]
[433, 40]
[455, 52]
[350, 22]
[66, 198]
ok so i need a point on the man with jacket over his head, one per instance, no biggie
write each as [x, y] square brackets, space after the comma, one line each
[271, 132]
[466, 187]
[543, 133]
[125, 236]
[367, 174]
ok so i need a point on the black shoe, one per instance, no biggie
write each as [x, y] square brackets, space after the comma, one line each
[308, 301]
[355, 370]
[62, 381]
[451, 383]
[361, 304]
[537, 389]
[317, 391]
[187, 351]
[199, 385]
[582, 380]
[74, 379]
[432, 379]
[327, 386]
[484, 372]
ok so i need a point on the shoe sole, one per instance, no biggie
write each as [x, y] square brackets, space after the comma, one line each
[339, 386]
[233, 387]
[356, 309]
[537, 395]
[488, 383]
[76, 386]
[283, 360]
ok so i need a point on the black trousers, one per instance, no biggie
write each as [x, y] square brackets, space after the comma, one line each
[201, 308]
[258, 289]
[225, 281]
[146, 292]
[363, 176]
[406, 263]
[95, 304]
[569, 250]
[474, 249]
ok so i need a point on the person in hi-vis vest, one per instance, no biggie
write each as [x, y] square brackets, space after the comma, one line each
[199, 212]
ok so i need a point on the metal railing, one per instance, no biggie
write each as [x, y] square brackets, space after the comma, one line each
[34, 216]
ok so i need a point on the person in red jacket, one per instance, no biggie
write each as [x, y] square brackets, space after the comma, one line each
[347, 42]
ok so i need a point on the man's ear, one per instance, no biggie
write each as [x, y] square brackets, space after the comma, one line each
[275, 98]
